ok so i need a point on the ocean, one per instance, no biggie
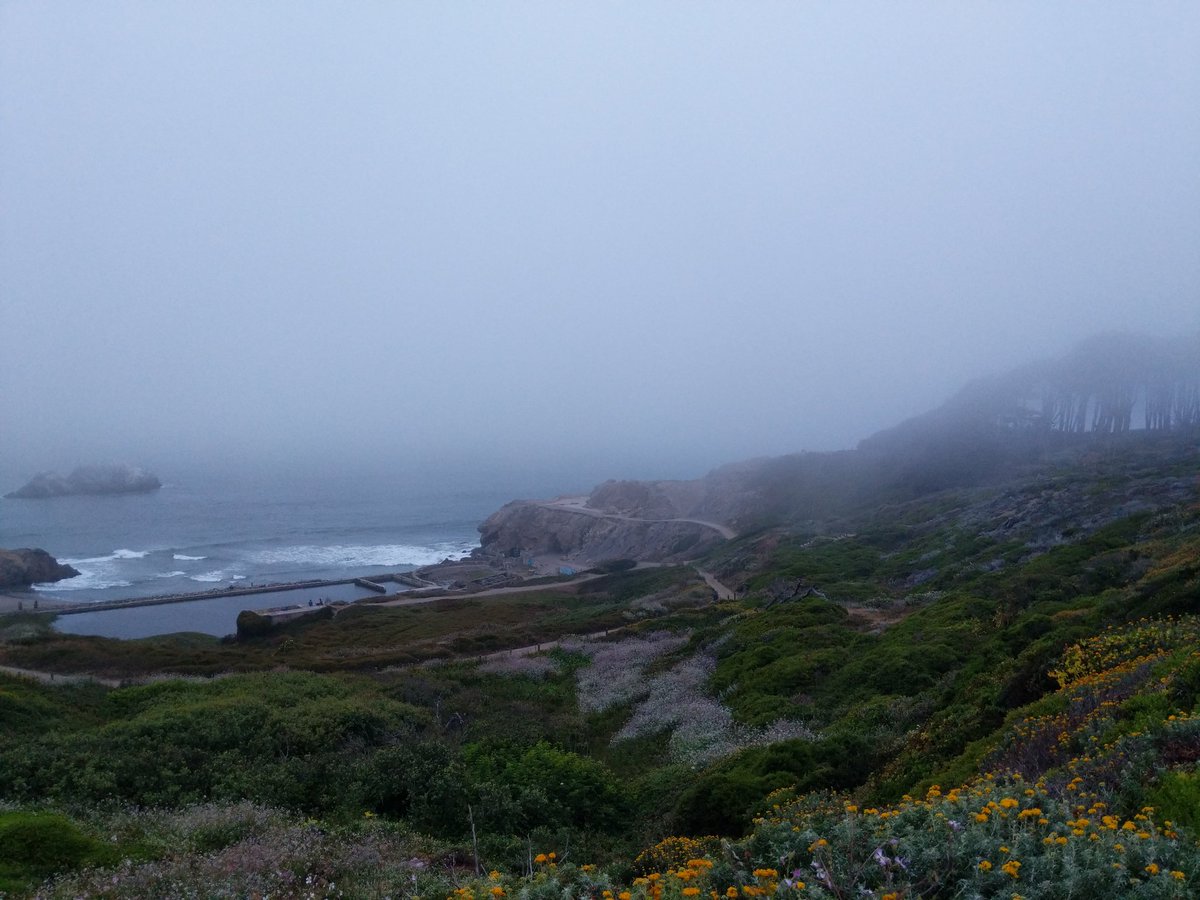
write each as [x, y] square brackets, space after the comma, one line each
[204, 531]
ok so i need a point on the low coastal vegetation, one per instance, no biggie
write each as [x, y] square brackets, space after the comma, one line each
[980, 691]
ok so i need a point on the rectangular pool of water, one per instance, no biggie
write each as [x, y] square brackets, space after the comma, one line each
[211, 615]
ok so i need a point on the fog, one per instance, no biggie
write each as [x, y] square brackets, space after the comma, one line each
[629, 239]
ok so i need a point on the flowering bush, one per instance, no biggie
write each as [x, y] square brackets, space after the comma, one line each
[994, 837]
[278, 856]
[1115, 645]
[615, 674]
[526, 666]
[702, 729]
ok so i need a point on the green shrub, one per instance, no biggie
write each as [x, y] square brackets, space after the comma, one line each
[1176, 798]
[35, 846]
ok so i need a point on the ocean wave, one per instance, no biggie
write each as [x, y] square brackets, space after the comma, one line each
[209, 577]
[97, 573]
[112, 557]
[169, 574]
[86, 581]
[346, 556]
[185, 556]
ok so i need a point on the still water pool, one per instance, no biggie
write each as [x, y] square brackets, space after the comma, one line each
[212, 615]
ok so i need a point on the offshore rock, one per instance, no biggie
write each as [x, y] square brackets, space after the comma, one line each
[88, 480]
[21, 568]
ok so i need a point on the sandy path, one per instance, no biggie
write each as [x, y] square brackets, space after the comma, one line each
[55, 678]
[575, 505]
[723, 592]
[490, 592]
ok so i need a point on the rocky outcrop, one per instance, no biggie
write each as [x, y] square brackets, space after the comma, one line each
[727, 495]
[21, 568]
[527, 528]
[88, 480]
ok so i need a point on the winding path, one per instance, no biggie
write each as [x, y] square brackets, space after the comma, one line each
[577, 505]
[57, 678]
[723, 592]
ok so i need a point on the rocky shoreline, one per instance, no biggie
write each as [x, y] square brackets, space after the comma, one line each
[524, 542]
[27, 566]
[582, 536]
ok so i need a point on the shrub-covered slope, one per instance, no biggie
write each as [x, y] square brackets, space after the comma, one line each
[976, 692]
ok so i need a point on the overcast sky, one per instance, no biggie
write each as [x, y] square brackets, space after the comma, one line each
[651, 237]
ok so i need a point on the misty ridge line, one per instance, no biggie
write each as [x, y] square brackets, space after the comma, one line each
[1110, 383]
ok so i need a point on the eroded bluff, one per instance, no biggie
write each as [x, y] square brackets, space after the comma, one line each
[528, 528]
[21, 568]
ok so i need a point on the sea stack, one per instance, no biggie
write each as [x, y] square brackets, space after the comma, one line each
[88, 480]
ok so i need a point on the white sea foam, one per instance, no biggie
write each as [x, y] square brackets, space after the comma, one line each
[85, 581]
[207, 577]
[169, 574]
[112, 557]
[348, 556]
[97, 573]
[185, 556]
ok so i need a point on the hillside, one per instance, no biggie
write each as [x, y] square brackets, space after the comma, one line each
[1109, 394]
[963, 683]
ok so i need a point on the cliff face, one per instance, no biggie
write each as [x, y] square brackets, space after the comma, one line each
[526, 528]
[21, 568]
[88, 480]
[728, 495]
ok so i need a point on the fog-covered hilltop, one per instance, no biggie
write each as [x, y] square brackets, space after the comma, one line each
[88, 480]
[1112, 387]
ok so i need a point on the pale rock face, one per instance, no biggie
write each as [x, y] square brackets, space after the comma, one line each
[530, 529]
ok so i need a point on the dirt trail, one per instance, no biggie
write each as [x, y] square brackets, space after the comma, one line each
[723, 592]
[490, 592]
[55, 678]
[573, 504]
[550, 645]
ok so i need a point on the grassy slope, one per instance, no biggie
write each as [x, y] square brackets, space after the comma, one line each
[985, 588]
